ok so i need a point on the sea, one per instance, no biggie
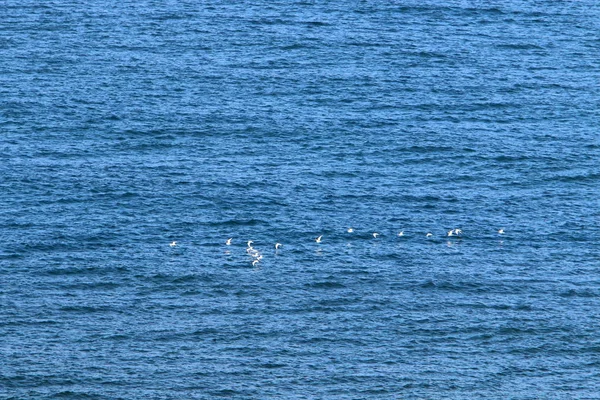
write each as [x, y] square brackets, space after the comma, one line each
[137, 137]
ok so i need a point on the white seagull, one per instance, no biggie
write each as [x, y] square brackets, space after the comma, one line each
[318, 240]
[173, 243]
[350, 230]
[375, 235]
[401, 233]
[501, 231]
[429, 234]
[251, 250]
[228, 242]
[278, 245]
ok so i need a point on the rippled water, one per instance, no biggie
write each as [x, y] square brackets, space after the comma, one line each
[129, 125]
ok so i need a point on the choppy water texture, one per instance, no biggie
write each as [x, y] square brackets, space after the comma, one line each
[127, 125]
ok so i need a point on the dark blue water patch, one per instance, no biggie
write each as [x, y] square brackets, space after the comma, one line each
[579, 293]
[86, 309]
[74, 395]
[326, 285]
[132, 126]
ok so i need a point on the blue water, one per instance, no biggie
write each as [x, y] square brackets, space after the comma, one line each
[127, 125]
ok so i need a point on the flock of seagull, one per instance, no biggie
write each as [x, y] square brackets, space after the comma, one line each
[256, 255]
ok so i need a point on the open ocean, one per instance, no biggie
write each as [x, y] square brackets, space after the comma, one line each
[127, 125]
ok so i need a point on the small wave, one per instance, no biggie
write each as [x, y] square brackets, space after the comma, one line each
[86, 271]
[206, 331]
[239, 222]
[175, 279]
[186, 278]
[68, 394]
[427, 149]
[519, 46]
[92, 286]
[578, 293]
[272, 365]
[316, 23]
[578, 178]
[514, 330]
[295, 46]
[429, 284]
[338, 302]
[326, 285]
[452, 286]
[484, 10]
[69, 271]
[86, 309]
[273, 21]
[11, 256]
[118, 337]
[506, 159]
[228, 393]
